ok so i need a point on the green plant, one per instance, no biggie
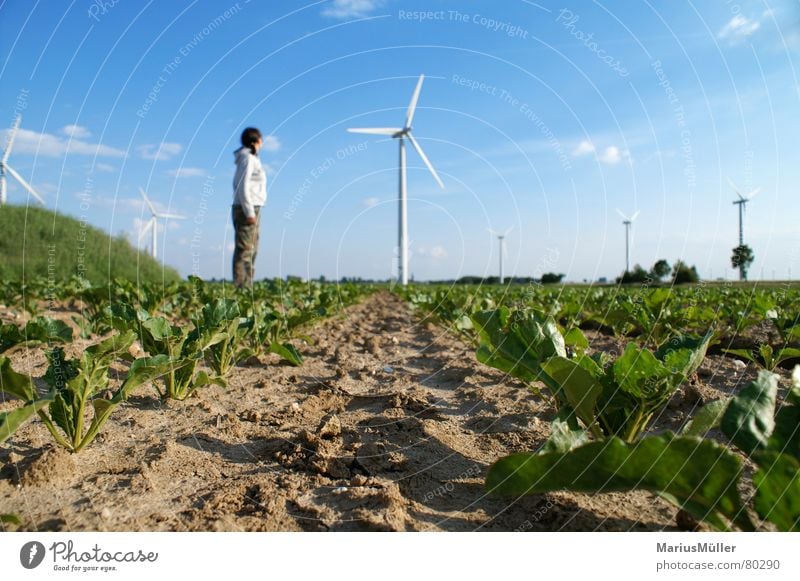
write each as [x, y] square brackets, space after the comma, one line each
[222, 318]
[518, 342]
[37, 330]
[620, 398]
[765, 357]
[698, 475]
[76, 386]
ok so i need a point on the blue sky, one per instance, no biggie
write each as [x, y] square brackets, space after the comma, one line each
[542, 117]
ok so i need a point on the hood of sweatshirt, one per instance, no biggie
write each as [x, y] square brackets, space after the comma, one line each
[242, 152]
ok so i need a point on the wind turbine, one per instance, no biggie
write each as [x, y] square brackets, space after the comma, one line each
[152, 223]
[401, 134]
[501, 237]
[628, 221]
[5, 168]
[742, 202]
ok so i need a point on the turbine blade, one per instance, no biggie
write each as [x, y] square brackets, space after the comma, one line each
[753, 194]
[735, 189]
[146, 229]
[11, 136]
[624, 217]
[635, 215]
[507, 231]
[24, 184]
[147, 201]
[172, 216]
[425, 159]
[412, 106]
[376, 130]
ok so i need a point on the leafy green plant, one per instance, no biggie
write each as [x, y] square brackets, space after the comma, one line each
[37, 330]
[21, 387]
[184, 348]
[620, 398]
[266, 328]
[518, 342]
[76, 386]
[222, 318]
[698, 475]
[765, 357]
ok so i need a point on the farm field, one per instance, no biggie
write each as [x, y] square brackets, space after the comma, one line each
[365, 409]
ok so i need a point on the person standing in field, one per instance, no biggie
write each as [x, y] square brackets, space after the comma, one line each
[249, 195]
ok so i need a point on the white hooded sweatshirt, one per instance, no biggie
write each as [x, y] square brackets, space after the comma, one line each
[249, 182]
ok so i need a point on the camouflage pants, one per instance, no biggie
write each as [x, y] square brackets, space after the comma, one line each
[244, 254]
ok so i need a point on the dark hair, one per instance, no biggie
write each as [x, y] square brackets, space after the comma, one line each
[249, 138]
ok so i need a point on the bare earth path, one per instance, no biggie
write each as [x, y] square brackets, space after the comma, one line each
[390, 424]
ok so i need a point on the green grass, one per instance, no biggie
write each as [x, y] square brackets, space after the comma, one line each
[35, 242]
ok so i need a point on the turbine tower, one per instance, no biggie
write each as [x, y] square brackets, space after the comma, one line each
[152, 223]
[501, 237]
[401, 134]
[742, 202]
[628, 221]
[5, 168]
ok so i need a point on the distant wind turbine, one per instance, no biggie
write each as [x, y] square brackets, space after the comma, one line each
[5, 168]
[152, 223]
[742, 202]
[628, 221]
[401, 134]
[501, 237]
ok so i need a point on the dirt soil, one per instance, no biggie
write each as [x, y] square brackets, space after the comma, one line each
[390, 425]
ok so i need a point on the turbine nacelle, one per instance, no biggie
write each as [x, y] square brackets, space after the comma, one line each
[152, 223]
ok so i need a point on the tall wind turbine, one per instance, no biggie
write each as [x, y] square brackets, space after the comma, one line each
[501, 237]
[401, 134]
[152, 223]
[742, 202]
[5, 168]
[628, 221]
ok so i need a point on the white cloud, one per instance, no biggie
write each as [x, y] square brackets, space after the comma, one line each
[49, 145]
[105, 167]
[351, 8]
[612, 155]
[371, 201]
[187, 172]
[271, 143]
[585, 147]
[159, 151]
[436, 252]
[738, 29]
[76, 131]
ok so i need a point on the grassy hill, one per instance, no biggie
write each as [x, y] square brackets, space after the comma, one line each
[50, 244]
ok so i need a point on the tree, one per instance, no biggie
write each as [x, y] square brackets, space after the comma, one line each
[742, 259]
[638, 274]
[661, 269]
[551, 278]
[683, 273]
